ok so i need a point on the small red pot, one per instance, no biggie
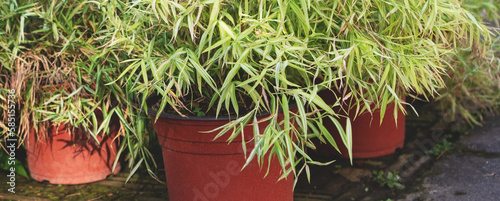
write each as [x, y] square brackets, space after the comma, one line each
[370, 139]
[199, 168]
[62, 158]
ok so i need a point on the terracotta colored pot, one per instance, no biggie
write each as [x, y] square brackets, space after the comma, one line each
[199, 168]
[62, 158]
[370, 138]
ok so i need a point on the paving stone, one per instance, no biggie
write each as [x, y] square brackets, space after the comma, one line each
[465, 178]
[471, 172]
[354, 174]
[485, 138]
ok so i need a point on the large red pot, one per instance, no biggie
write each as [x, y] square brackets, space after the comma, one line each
[199, 168]
[61, 158]
[370, 139]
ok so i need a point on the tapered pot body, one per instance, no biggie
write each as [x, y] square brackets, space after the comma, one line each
[199, 168]
[59, 157]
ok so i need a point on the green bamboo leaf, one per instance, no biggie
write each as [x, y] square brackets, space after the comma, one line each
[328, 136]
[216, 8]
[225, 29]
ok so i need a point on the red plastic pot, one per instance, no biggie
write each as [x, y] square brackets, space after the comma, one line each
[62, 158]
[370, 139]
[199, 168]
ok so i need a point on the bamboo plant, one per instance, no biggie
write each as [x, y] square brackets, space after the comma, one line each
[473, 84]
[49, 54]
[245, 58]
[43, 55]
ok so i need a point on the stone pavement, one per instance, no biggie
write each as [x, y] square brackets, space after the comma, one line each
[470, 172]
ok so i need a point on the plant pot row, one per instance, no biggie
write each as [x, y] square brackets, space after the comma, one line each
[197, 167]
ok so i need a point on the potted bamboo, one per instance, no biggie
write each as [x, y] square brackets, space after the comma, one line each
[65, 119]
[392, 50]
[236, 64]
[247, 63]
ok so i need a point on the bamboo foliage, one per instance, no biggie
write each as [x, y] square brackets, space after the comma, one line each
[237, 57]
[246, 58]
[49, 57]
[3, 107]
[473, 84]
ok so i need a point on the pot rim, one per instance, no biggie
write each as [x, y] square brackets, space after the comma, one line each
[153, 112]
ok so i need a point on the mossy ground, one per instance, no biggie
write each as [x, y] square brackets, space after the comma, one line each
[113, 188]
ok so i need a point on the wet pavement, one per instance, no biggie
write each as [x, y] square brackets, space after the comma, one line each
[440, 161]
[471, 171]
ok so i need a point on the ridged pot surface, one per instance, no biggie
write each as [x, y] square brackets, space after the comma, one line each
[199, 168]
